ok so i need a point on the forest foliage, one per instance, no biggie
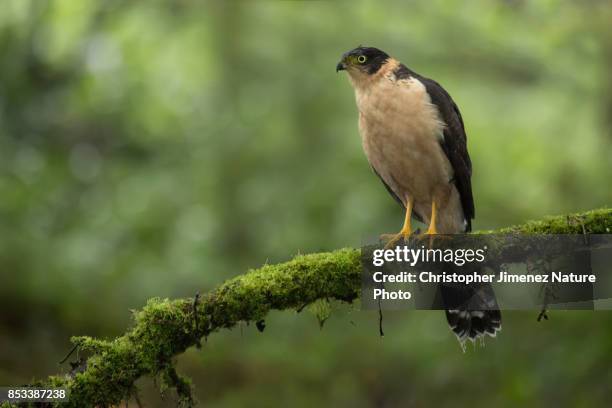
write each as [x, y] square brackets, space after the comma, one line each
[156, 149]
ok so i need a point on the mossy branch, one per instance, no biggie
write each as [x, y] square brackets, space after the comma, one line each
[165, 328]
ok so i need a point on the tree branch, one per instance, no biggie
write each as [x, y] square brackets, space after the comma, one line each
[165, 328]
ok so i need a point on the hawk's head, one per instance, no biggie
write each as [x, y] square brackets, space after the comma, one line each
[362, 60]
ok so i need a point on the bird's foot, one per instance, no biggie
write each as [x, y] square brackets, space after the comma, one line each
[431, 236]
[391, 240]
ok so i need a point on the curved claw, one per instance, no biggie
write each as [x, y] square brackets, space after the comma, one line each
[432, 236]
[392, 239]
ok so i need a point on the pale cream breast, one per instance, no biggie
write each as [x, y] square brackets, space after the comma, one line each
[401, 133]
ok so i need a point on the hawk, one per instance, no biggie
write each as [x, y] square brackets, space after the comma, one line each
[413, 136]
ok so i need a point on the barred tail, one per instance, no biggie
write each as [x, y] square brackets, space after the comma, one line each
[471, 311]
[472, 324]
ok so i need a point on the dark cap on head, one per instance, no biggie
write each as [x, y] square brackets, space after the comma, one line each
[366, 59]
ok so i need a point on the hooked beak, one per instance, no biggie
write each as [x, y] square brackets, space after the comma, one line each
[341, 66]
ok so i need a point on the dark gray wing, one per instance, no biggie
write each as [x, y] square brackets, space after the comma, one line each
[454, 144]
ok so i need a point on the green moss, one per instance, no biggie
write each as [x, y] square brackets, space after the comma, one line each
[591, 222]
[321, 308]
[165, 328]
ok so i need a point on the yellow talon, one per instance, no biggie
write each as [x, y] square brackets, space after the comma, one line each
[405, 233]
[392, 239]
[432, 231]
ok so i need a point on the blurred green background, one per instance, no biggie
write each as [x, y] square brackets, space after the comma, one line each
[159, 148]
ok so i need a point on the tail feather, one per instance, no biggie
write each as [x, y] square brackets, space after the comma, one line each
[472, 324]
[471, 311]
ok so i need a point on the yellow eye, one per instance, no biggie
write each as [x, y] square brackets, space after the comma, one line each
[361, 59]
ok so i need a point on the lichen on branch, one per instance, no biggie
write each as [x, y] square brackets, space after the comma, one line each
[164, 328]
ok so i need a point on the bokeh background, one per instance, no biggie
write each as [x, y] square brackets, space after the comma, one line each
[159, 148]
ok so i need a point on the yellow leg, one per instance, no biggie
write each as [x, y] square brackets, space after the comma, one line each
[406, 230]
[432, 230]
[432, 223]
